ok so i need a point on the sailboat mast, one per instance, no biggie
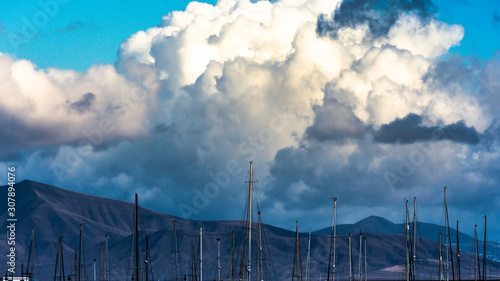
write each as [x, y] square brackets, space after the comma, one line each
[218, 259]
[250, 195]
[81, 261]
[101, 264]
[147, 257]
[62, 260]
[136, 237]
[366, 267]
[107, 260]
[176, 250]
[32, 252]
[260, 273]
[407, 252]
[232, 260]
[59, 270]
[193, 271]
[56, 271]
[447, 239]
[440, 257]
[414, 267]
[308, 262]
[484, 251]
[476, 256]
[76, 274]
[458, 254]
[334, 234]
[201, 253]
[298, 251]
[332, 242]
[360, 254]
[350, 259]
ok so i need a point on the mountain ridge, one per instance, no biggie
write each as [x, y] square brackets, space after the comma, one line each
[55, 212]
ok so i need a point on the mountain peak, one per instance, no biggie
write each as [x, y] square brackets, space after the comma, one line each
[375, 220]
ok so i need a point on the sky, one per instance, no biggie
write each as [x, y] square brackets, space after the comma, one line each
[372, 102]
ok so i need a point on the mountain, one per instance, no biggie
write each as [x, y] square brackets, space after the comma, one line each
[53, 212]
[375, 224]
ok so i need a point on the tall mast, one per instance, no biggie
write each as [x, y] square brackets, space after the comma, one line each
[296, 258]
[232, 260]
[107, 260]
[201, 253]
[366, 267]
[76, 272]
[476, 256]
[31, 254]
[360, 254]
[458, 255]
[250, 195]
[176, 249]
[146, 260]
[308, 262]
[332, 244]
[59, 272]
[440, 257]
[407, 251]
[260, 273]
[414, 268]
[350, 259]
[298, 253]
[484, 251]
[136, 238]
[334, 234]
[447, 239]
[218, 259]
[81, 259]
[193, 261]
[101, 264]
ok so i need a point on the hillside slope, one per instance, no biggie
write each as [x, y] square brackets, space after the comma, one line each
[55, 212]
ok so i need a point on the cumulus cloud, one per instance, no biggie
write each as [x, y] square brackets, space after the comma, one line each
[324, 105]
[54, 107]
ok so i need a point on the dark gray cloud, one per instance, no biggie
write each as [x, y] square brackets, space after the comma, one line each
[495, 18]
[160, 129]
[84, 103]
[380, 15]
[20, 138]
[410, 130]
[334, 122]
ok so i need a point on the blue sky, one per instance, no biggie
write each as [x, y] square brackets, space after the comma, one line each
[386, 104]
[82, 33]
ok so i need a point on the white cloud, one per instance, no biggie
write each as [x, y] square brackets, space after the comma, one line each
[218, 85]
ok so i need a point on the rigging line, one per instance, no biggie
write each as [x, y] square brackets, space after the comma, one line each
[425, 252]
[264, 236]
